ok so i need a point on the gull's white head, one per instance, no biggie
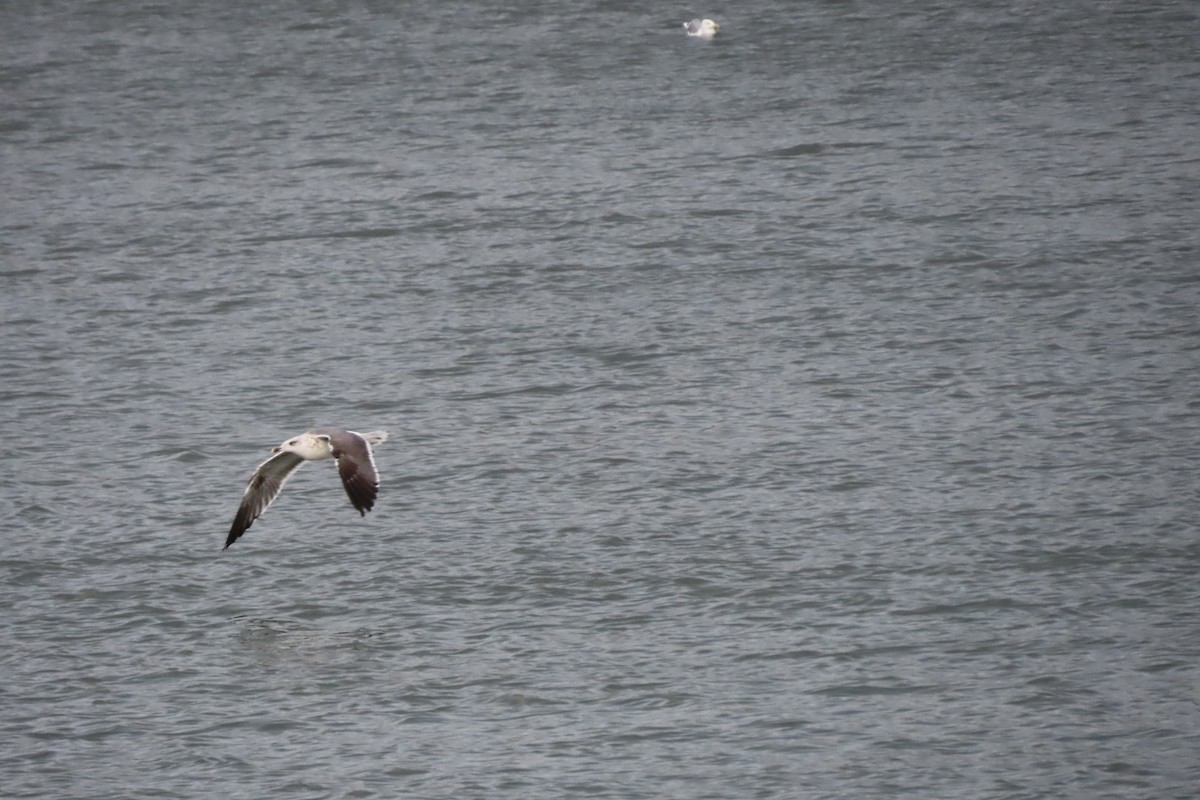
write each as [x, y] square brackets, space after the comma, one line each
[701, 28]
[309, 446]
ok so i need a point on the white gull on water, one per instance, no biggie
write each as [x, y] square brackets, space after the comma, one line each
[355, 463]
[701, 28]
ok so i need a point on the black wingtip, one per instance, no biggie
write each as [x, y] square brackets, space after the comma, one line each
[234, 535]
[241, 523]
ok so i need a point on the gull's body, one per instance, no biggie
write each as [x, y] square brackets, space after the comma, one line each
[355, 463]
[701, 28]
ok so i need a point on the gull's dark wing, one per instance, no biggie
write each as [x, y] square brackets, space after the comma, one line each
[264, 487]
[356, 465]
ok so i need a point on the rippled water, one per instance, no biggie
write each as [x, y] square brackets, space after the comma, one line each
[807, 413]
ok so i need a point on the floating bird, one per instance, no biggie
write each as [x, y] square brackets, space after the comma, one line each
[701, 28]
[355, 463]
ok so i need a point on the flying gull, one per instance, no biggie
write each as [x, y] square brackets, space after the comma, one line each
[701, 28]
[355, 463]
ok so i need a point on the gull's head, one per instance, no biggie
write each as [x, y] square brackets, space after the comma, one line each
[309, 446]
[702, 28]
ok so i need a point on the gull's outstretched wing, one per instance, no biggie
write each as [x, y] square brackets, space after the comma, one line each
[264, 487]
[356, 465]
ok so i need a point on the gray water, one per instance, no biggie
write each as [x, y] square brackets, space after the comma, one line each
[813, 412]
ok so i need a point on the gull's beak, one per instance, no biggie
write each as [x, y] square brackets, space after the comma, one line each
[274, 449]
[716, 26]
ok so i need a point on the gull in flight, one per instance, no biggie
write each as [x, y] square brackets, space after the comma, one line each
[355, 463]
[701, 28]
